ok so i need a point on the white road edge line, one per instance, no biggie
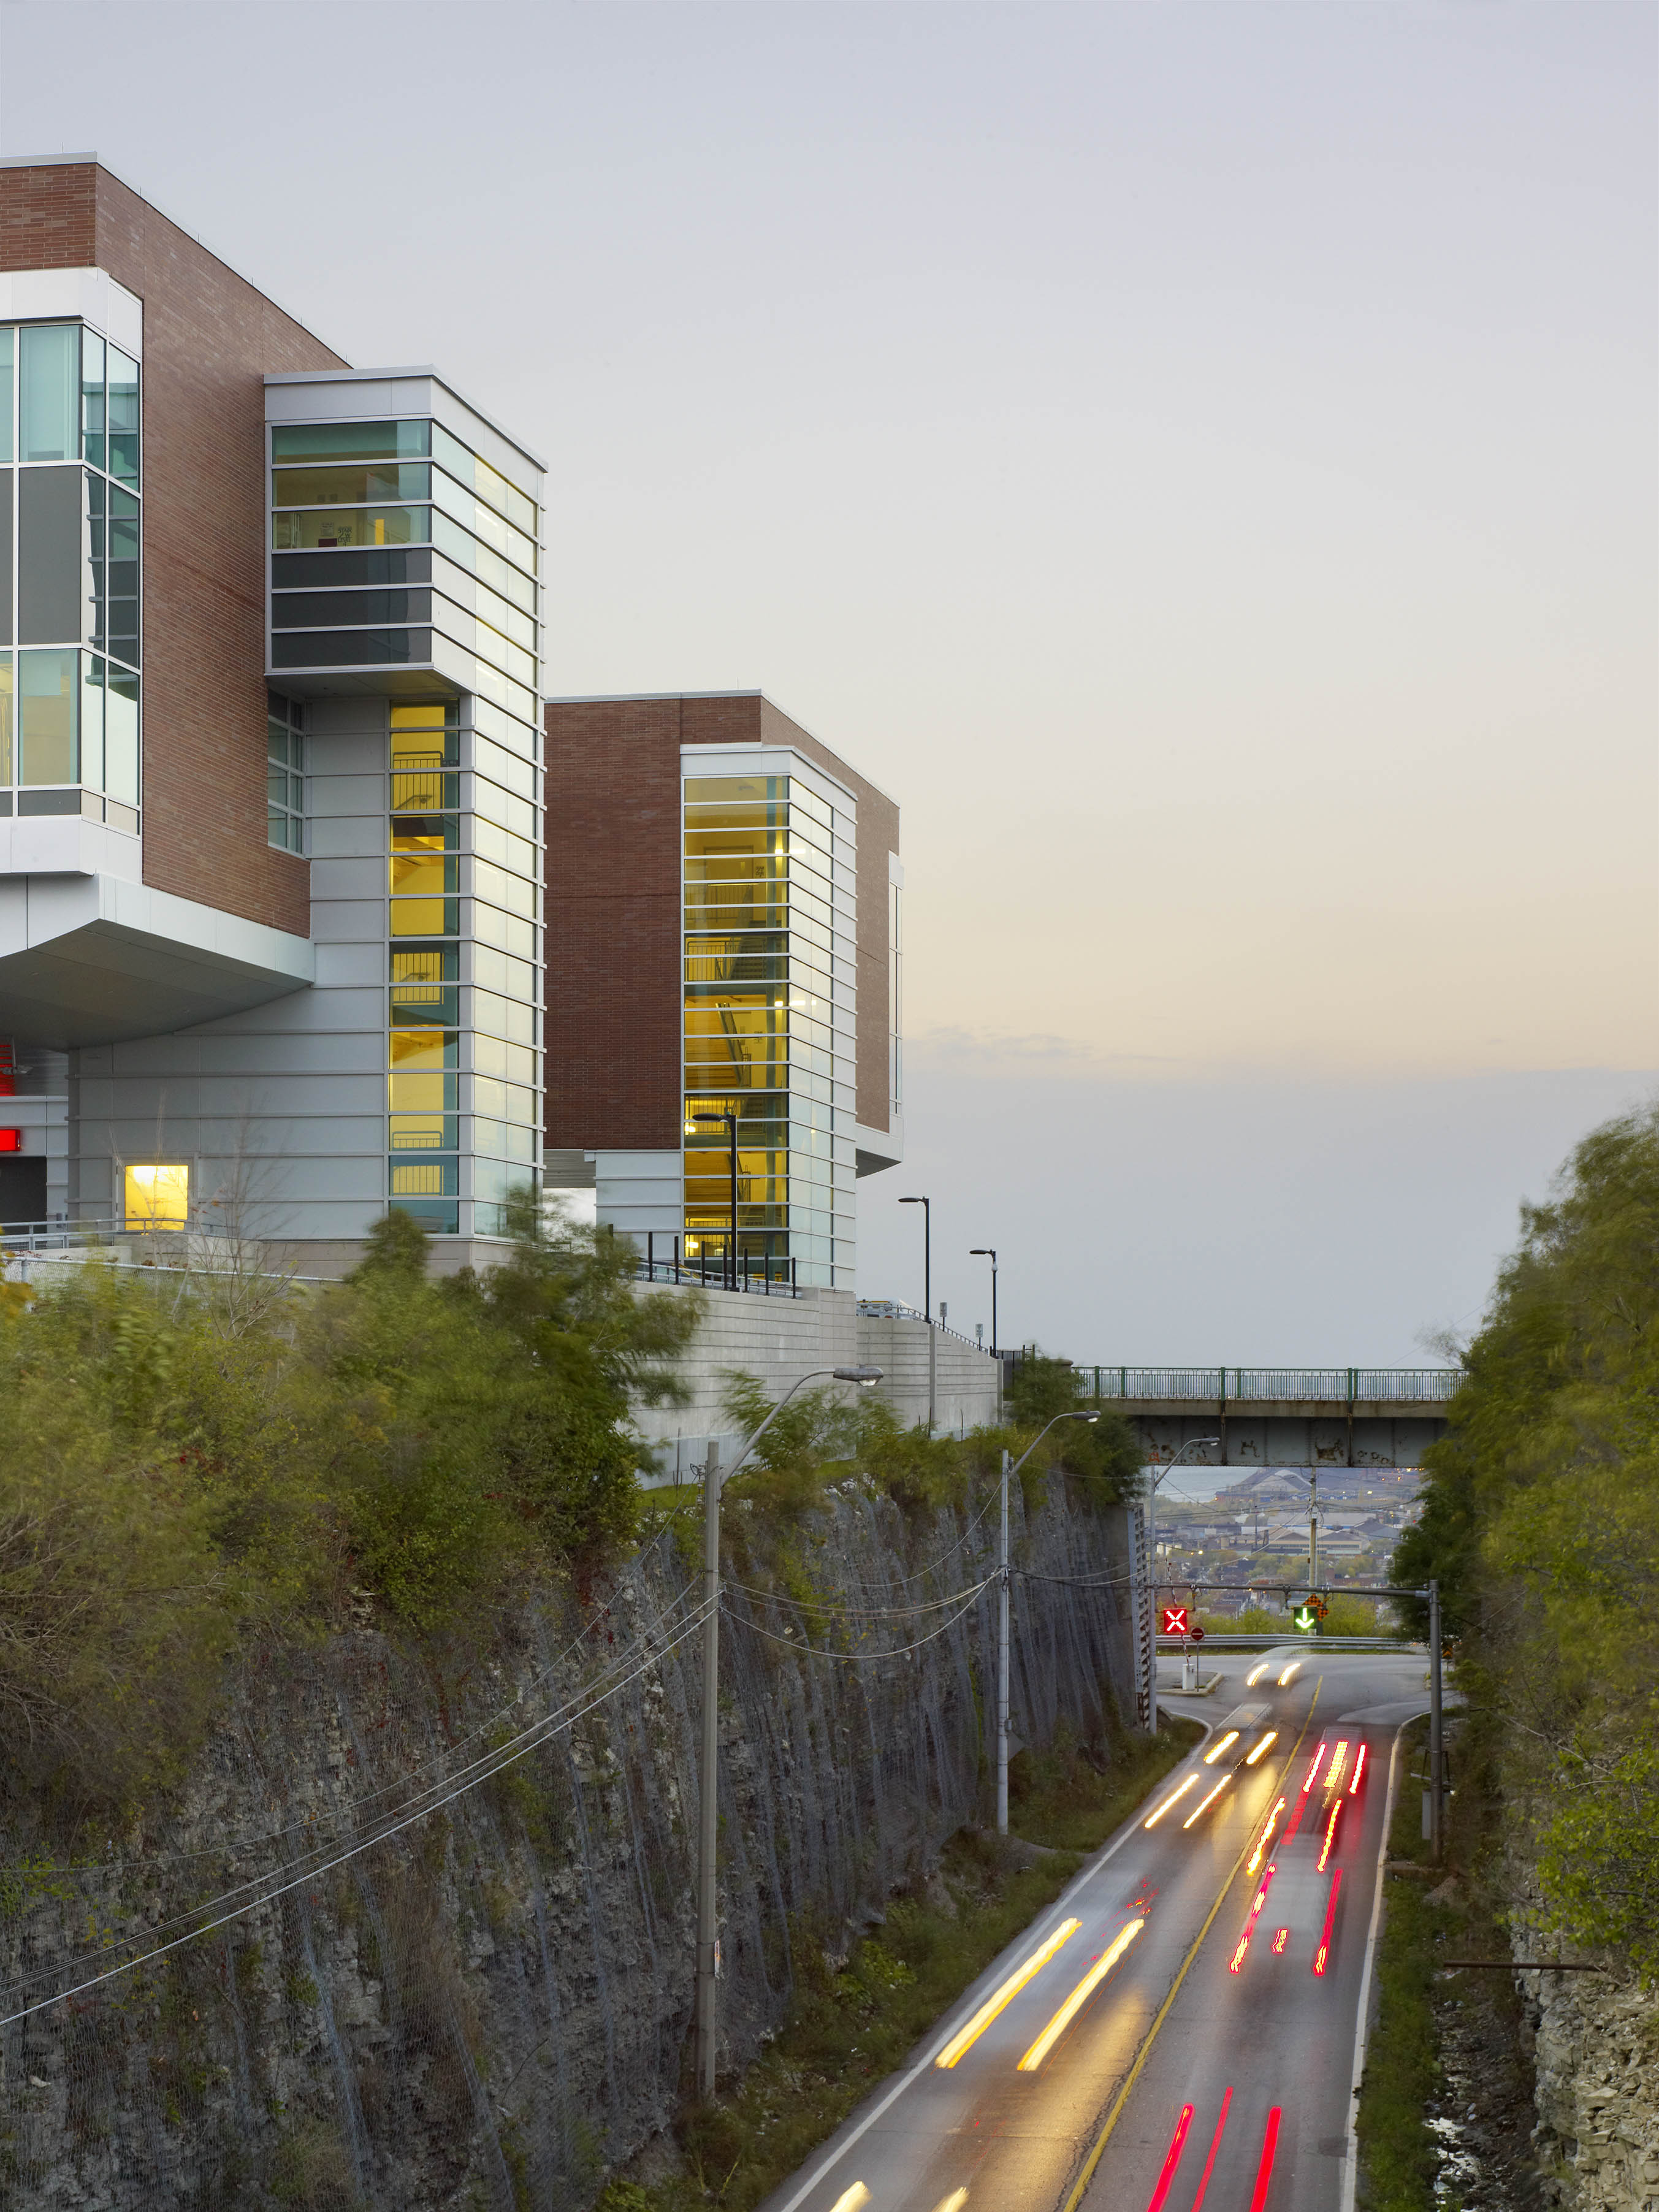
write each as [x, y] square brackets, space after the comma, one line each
[963, 2011]
[1362, 2029]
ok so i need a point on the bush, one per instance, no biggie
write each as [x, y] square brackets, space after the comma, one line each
[176, 1471]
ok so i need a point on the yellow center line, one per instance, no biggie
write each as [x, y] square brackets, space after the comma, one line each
[1123, 2097]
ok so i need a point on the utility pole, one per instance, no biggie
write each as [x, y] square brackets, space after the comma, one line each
[708, 1948]
[1436, 1820]
[1002, 1660]
[1004, 1575]
[708, 1945]
[927, 1206]
[1313, 1532]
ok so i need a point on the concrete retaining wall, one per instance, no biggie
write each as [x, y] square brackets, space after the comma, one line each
[779, 1340]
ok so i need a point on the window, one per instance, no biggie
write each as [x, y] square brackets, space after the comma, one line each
[46, 687]
[157, 1197]
[328, 442]
[49, 416]
[285, 774]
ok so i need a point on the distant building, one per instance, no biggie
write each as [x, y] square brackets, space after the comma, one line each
[725, 893]
[271, 854]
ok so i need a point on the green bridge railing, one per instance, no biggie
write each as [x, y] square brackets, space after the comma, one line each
[1334, 1386]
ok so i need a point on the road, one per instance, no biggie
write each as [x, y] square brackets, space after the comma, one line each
[1212, 2038]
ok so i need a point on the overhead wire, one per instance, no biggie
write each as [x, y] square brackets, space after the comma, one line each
[335, 1820]
[855, 1658]
[493, 1762]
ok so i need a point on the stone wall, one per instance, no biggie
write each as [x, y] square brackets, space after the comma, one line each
[1596, 2057]
[410, 1977]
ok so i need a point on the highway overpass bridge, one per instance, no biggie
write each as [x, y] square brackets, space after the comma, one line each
[1280, 1416]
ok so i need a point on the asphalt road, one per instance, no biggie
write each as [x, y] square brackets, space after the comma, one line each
[1165, 2033]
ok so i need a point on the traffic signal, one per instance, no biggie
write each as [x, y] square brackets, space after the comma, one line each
[1306, 1619]
[1175, 1621]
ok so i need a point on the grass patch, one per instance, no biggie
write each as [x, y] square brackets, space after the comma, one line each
[853, 2023]
[1398, 2157]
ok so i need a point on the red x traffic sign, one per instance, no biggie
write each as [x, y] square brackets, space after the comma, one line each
[1175, 1621]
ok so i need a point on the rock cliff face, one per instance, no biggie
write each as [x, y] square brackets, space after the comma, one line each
[1596, 2055]
[486, 2003]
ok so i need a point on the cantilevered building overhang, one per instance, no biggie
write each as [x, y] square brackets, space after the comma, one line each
[91, 959]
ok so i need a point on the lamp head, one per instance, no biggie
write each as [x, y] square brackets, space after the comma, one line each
[912, 1201]
[864, 1374]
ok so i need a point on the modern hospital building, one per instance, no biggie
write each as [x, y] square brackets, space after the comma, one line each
[311, 903]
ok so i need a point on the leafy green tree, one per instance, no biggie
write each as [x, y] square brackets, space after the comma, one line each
[1542, 1521]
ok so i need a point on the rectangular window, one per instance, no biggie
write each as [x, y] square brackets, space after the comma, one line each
[424, 1133]
[339, 571]
[49, 416]
[285, 773]
[92, 721]
[501, 575]
[47, 686]
[316, 609]
[121, 737]
[465, 466]
[122, 578]
[306, 529]
[7, 372]
[51, 568]
[425, 1178]
[350, 487]
[350, 649]
[7, 752]
[93, 424]
[348, 441]
[156, 1197]
[123, 418]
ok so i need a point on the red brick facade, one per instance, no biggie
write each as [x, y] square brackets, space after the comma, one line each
[209, 340]
[613, 911]
[613, 925]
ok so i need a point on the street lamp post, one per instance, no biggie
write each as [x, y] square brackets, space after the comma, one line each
[714, 1482]
[731, 1122]
[1148, 1698]
[989, 1252]
[1002, 1616]
[927, 1206]
[1312, 1481]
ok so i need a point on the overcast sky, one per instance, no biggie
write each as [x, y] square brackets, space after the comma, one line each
[1199, 457]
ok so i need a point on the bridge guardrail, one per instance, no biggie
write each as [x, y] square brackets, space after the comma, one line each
[1335, 1386]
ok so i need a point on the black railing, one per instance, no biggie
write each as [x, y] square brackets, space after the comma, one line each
[763, 1274]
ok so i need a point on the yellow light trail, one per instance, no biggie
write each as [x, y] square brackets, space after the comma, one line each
[953, 2202]
[1336, 1811]
[1271, 1736]
[1255, 1674]
[1174, 1797]
[851, 2199]
[1281, 1937]
[1294, 1668]
[966, 2038]
[1216, 1749]
[1209, 1800]
[1339, 1760]
[1079, 1997]
[1261, 1841]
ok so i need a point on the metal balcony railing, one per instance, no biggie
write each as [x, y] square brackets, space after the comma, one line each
[1333, 1386]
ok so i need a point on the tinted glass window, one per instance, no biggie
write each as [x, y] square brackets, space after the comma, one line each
[389, 564]
[309, 610]
[50, 417]
[123, 418]
[348, 441]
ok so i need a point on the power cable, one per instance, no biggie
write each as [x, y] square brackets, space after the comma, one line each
[493, 1762]
[854, 1658]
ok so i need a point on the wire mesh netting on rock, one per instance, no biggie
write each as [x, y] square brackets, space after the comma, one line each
[419, 1933]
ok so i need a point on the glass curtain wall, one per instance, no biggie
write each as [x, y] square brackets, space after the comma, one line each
[768, 1012]
[70, 533]
[462, 1058]
[387, 537]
